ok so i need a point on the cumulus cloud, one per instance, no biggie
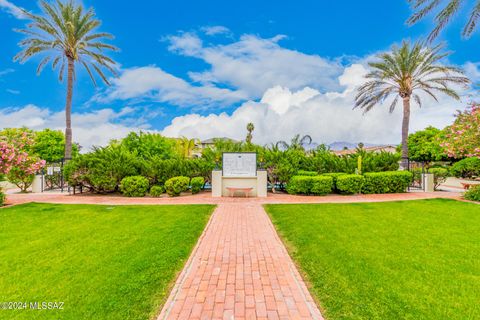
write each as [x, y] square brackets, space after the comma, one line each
[89, 128]
[12, 9]
[152, 83]
[327, 117]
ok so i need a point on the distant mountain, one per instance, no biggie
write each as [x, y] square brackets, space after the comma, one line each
[340, 145]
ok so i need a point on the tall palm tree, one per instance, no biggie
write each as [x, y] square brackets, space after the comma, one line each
[250, 128]
[405, 72]
[447, 11]
[65, 34]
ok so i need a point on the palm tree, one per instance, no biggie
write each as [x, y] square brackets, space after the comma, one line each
[186, 146]
[444, 15]
[296, 143]
[405, 72]
[66, 35]
[250, 128]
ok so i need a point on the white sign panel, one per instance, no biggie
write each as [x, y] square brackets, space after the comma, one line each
[239, 164]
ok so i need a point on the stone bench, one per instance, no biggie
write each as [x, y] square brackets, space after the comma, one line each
[232, 190]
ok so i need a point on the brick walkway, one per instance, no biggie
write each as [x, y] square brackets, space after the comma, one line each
[240, 270]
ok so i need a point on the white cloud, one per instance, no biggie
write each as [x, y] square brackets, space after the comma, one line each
[253, 64]
[89, 128]
[215, 30]
[6, 71]
[12, 9]
[153, 83]
[12, 91]
[327, 117]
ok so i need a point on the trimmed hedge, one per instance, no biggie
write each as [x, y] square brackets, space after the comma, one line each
[310, 185]
[334, 176]
[350, 184]
[467, 168]
[134, 186]
[176, 185]
[473, 194]
[307, 173]
[387, 182]
[197, 184]
[156, 191]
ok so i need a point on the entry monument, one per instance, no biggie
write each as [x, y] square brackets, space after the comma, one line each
[239, 174]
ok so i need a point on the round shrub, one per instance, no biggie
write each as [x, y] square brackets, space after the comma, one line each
[473, 194]
[156, 191]
[176, 185]
[467, 168]
[316, 185]
[386, 182]
[197, 184]
[350, 183]
[134, 186]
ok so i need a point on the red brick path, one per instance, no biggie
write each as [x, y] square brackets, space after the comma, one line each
[240, 270]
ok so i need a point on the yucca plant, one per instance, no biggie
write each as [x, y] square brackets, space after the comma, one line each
[65, 35]
[404, 73]
[446, 10]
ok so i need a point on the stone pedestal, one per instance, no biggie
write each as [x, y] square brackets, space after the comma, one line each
[429, 183]
[37, 183]
[257, 183]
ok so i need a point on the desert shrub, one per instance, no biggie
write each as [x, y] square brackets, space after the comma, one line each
[156, 191]
[350, 184]
[197, 184]
[440, 175]
[473, 194]
[318, 185]
[176, 185]
[467, 168]
[386, 182]
[135, 186]
[307, 173]
[334, 176]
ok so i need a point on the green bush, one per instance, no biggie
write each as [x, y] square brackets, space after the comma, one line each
[350, 184]
[197, 184]
[440, 175]
[2, 197]
[467, 168]
[334, 176]
[386, 182]
[307, 173]
[318, 185]
[176, 185]
[135, 186]
[473, 194]
[156, 191]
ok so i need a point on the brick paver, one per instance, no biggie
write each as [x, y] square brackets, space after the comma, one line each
[240, 270]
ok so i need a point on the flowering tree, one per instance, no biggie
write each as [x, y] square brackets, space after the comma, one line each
[462, 138]
[15, 162]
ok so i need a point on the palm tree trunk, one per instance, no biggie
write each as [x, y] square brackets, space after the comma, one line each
[405, 129]
[68, 111]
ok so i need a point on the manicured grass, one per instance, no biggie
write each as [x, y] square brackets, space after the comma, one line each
[391, 260]
[103, 262]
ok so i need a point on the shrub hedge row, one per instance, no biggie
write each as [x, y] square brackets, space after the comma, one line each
[369, 183]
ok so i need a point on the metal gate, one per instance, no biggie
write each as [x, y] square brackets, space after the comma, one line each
[418, 170]
[52, 177]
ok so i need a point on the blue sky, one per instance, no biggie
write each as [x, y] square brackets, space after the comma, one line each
[205, 68]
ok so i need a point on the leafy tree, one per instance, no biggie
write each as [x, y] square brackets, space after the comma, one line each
[49, 145]
[65, 34]
[404, 73]
[445, 11]
[250, 128]
[424, 145]
[186, 147]
[462, 138]
[149, 145]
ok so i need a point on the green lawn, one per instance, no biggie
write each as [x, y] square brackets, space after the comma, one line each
[391, 260]
[103, 262]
